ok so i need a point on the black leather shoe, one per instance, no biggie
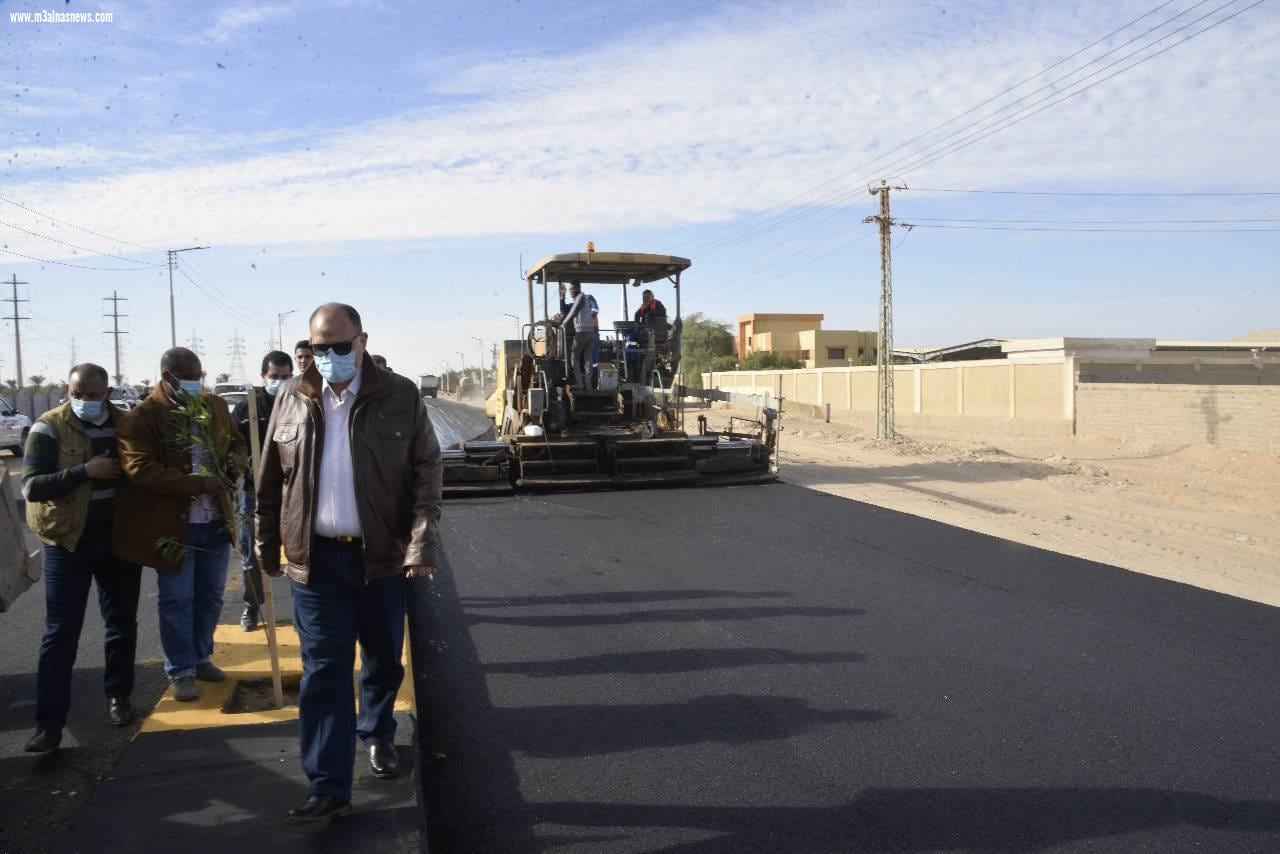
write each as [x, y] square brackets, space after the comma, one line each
[45, 741]
[383, 760]
[317, 808]
[120, 711]
[249, 618]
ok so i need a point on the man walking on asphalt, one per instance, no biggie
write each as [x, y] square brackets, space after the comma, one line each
[276, 368]
[69, 480]
[179, 517]
[347, 552]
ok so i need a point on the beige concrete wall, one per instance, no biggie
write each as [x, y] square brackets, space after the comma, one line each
[988, 396]
[1243, 417]
[986, 391]
[939, 394]
[1038, 391]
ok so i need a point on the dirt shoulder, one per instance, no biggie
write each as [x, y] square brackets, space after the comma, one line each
[1195, 514]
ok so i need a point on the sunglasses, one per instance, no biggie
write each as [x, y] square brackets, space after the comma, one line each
[340, 349]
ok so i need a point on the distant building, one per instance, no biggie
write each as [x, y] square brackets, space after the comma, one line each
[801, 337]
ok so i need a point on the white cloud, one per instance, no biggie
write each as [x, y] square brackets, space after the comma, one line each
[703, 123]
[230, 22]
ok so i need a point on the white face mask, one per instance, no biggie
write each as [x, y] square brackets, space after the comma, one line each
[273, 385]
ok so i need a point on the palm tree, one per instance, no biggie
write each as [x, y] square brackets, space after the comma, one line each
[37, 380]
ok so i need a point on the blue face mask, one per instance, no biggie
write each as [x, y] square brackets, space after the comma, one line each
[191, 388]
[273, 385]
[87, 410]
[335, 368]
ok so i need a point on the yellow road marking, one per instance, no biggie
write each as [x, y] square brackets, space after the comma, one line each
[244, 656]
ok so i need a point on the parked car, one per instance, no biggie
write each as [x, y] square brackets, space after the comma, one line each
[14, 427]
[233, 398]
[225, 388]
[125, 397]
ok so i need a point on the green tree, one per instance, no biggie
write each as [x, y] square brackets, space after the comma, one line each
[37, 380]
[767, 361]
[222, 378]
[705, 345]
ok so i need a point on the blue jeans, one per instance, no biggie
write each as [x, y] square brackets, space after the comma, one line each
[250, 577]
[191, 599]
[333, 610]
[67, 578]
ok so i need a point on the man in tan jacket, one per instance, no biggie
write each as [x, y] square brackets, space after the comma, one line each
[346, 423]
[182, 455]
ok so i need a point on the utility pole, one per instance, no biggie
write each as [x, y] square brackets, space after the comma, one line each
[17, 324]
[884, 341]
[481, 343]
[237, 357]
[74, 356]
[280, 323]
[173, 317]
[115, 316]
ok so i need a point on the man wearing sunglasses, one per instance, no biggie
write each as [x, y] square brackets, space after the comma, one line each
[347, 551]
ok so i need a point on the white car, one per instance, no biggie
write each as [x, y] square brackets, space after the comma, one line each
[14, 427]
[234, 398]
[125, 397]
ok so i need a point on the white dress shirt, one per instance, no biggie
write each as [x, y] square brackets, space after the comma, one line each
[336, 511]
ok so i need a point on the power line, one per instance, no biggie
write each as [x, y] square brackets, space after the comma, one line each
[78, 246]
[1088, 194]
[867, 164]
[1098, 221]
[225, 296]
[925, 157]
[231, 312]
[77, 227]
[1100, 230]
[77, 266]
[1010, 121]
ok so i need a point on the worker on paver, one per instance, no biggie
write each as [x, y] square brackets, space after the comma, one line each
[70, 478]
[582, 317]
[347, 552]
[276, 368]
[650, 308]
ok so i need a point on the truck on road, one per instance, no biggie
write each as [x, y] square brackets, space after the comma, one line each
[429, 385]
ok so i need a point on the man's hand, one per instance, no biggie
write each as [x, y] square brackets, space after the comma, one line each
[211, 486]
[102, 467]
[419, 570]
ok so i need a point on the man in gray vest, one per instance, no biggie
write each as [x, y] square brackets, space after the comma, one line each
[70, 478]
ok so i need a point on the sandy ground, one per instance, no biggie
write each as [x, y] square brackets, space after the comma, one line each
[1195, 514]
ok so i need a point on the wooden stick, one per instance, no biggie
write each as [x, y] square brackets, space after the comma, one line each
[268, 594]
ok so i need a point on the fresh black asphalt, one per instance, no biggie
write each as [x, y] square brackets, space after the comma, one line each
[770, 669]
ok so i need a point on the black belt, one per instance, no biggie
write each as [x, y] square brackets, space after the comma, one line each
[346, 541]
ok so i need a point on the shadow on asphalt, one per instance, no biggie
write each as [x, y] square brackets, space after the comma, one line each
[918, 820]
[40, 794]
[668, 661]
[668, 615]
[620, 598]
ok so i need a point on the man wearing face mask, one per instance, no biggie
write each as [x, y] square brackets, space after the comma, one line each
[276, 368]
[179, 516]
[347, 551]
[70, 481]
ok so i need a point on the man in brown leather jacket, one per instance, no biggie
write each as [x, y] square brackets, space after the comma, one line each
[350, 488]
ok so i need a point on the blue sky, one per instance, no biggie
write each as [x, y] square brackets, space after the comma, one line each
[407, 160]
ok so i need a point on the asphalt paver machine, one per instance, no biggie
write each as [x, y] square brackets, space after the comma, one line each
[626, 427]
